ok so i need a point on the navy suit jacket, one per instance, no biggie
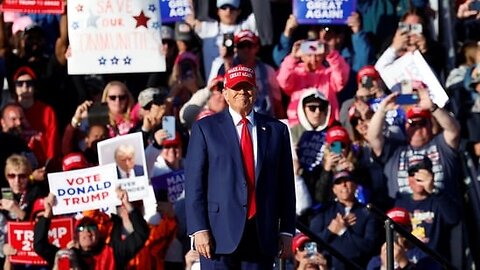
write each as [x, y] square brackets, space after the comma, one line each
[216, 188]
[137, 169]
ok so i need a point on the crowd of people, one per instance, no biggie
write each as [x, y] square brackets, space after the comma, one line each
[351, 143]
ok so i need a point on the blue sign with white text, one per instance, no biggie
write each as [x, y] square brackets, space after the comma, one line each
[323, 11]
[174, 10]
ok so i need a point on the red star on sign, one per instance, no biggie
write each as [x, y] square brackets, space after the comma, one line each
[141, 20]
[79, 8]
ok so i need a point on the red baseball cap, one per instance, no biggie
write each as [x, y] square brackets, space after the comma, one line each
[74, 161]
[299, 240]
[400, 216]
[368, 71]
[417, 112]
[245, 35]
[239, 74]
[24, 70]
[337, 133]
[38, 206]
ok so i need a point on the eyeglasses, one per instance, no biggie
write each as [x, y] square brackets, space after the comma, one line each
[90, 228]
[20, 175]
[417, 123]
[313, 108]
[27, 83]
[115, 97]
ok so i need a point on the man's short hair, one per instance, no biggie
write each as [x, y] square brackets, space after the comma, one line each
[125, 149]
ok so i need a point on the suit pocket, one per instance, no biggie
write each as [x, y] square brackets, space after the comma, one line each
[213, 207]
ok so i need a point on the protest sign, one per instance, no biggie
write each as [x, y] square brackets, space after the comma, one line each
[413, 67]
[310, 149]
[85, 189]
[126, 153]
[114, 36]
[323, 11]
[20, 237]
[174, 10]
[33, 6]
[173, 183]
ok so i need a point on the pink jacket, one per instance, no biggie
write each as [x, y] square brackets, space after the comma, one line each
[293, 77]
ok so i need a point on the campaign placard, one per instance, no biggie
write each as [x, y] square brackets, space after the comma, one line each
[413, 67]
[174, 10]
[114, 36]
[85, 189]
[33, 6]
[20, 237]
[173, 183]
[323, 11]
[310, 149]
[126, 153]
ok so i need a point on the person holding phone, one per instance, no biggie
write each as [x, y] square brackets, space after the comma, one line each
[305, 258]
[306, 67]
[345, 224]
[120, 103]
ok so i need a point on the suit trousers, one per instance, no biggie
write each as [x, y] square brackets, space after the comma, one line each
[247, 256]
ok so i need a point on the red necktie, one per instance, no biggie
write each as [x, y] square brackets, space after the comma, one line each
[249, 166]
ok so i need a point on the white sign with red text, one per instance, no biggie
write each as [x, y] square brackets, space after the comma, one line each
[85, 189]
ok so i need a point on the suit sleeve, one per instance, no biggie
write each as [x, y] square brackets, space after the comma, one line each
[196, 182]
[287, 187]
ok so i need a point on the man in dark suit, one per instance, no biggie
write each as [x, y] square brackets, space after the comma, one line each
[240, 197]
[125, 159]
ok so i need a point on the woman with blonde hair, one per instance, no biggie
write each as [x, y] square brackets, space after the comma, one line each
[120, 103]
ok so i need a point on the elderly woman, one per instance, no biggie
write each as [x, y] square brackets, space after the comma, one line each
[120, 103]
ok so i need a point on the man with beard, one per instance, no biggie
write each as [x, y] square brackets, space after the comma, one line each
[13, 121]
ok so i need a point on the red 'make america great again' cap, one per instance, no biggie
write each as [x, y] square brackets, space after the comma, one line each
[239, 74]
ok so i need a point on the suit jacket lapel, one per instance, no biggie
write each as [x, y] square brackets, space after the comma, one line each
[230, 135]
[262, 142]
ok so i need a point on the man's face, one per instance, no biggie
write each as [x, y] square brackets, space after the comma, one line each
[247, 51]
[228, 15]
[419, 131]
[241, 97]
[87, 237]
[17, 179]
[316, 113]
[13, 119]
[344, 190]
[172, 153]
[24, 89]
[126, 162]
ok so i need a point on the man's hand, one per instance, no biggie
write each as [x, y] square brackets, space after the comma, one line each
[389, 103]
[337, 224]
[9, 205]
[48, 203]
[425, 179]
[400, 40]
[354, 22]
[285, 246]
[290, 26]
[203, 244]
[191, 257]
[331, 160]
[122, 195]
[350, 219]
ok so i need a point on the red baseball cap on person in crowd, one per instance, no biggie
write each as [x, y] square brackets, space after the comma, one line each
[337, 134]
[24, 70]
[245, 36]
[400, 216]
[298, 241]
[368, 71]
[417, 112]
[239, 74]
[38, 206]
[74, 161]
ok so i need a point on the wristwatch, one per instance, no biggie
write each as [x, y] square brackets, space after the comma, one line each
[434, 108]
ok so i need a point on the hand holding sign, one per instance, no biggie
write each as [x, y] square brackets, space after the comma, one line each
[122, 195]
[48, 203]
[8, 250]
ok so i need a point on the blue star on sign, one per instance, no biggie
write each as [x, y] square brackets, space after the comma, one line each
[92, 20]
[102, 61]
[114, 60]
[156, 25]
[75, 25]
[127, 60]
[152, 7]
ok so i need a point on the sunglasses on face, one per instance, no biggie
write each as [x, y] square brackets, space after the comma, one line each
[90, 228]
[119, 97]
[418, 123]
[314, 108]
[20, 176]
[27, 83]
[244, 45]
